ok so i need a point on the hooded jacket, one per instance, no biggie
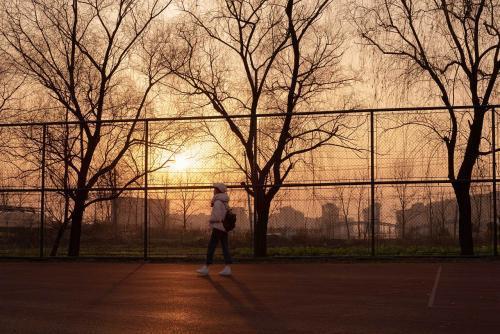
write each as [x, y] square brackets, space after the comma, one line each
[220, 205]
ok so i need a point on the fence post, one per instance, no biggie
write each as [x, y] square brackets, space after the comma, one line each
[146, 184]
[495, 215]
[254, 170]
[372, 180]
[42, 192]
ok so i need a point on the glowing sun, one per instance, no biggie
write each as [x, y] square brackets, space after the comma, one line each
[182, 162]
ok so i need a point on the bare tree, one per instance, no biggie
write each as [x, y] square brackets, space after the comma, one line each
[403, 171]
[187, 198]
[10, 83]
[163, 205]
[85, 53]
[250, 56]
[345, 197]
[455, 45]
[16, 199]
[360, 198]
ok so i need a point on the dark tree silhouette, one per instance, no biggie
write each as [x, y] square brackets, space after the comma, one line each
[83, 53]
[455, 45]
[247, 57]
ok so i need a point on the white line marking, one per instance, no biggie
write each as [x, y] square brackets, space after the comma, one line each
[432, 297]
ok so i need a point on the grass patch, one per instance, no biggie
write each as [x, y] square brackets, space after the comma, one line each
[135, 250]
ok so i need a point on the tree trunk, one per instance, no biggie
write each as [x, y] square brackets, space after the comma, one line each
[455, 220]
[479, 210]
[57, 241]
[359, 219]
[348, 232]
[62, 228]
[431, 225]
[463, 197]
[403, 224]
[462, 190]
[332, 229]
[76, 224]
[260, 230]
[114, 218]
[184, 220]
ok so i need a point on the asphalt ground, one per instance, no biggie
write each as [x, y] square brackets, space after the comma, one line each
[102, 297]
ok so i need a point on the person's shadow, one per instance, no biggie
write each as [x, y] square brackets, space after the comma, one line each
[109, 291]
[251, 309]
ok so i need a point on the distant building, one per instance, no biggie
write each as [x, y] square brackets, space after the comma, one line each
[330, 225]
[383, 230]
[199, 220]
[330, 220]
[287, 221]
[19, 216]
[439, 219]
[127, 213]
[242, 219]
[367, 212]
[414, 223]
[20, 219]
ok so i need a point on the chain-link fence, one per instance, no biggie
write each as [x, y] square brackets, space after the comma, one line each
[358, 182]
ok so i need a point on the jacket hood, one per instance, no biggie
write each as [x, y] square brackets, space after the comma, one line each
[221, 187]
[223, 197]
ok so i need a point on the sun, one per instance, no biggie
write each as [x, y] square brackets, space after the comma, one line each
[182, 162]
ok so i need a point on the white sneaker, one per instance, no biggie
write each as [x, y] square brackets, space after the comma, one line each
[203, 271]
[226, 271]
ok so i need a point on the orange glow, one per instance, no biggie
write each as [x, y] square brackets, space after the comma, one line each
[183, 162]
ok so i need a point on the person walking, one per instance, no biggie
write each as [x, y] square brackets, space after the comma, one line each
[220, 205]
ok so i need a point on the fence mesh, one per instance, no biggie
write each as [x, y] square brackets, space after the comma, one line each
[324, 206]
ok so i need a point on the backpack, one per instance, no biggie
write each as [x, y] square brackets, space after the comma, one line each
[229, 220]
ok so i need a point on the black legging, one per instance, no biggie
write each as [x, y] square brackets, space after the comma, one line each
[212, 244]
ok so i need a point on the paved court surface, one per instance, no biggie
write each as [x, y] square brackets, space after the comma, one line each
[259, 298]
